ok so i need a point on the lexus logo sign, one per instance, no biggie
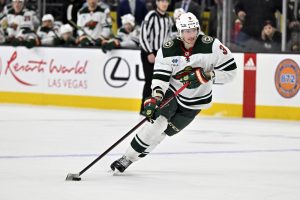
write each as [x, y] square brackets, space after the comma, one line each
[116, 72]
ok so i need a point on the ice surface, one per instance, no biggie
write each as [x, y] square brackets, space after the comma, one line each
[212, 159]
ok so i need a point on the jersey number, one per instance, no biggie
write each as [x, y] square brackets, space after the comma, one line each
[223, 49]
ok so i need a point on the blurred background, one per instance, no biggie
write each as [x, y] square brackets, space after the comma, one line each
[258, 26]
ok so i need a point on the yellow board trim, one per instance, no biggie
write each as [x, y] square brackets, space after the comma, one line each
[224, 110]
[71, 101]
[111, 103]
[278, 112]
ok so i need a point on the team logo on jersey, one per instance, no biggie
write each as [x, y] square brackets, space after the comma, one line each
[287, 78]
[207, 39]
[168, 44]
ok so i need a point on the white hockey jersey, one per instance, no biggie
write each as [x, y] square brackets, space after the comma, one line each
[128, 40]
[15, 21]
[97, 24]
[48, 35]
[208, 53]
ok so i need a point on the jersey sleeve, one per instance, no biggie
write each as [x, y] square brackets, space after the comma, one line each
[162, 73]
[130, 40]
[224, 64]
[106, 24]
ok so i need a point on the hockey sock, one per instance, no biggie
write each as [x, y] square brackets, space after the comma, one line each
[147, 139]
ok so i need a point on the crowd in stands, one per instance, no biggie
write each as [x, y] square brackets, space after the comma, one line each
[259, 30]
[89, 23]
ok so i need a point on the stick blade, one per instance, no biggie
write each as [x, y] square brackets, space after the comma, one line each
[73, 177]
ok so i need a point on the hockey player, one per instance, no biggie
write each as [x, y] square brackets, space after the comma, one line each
[199, 60]
[48, 32]
[127, 36]
[17, 15]
[26, 36]
[95, 22]
[66, 36]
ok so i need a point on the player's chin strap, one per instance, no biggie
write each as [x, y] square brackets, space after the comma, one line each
[76, 177]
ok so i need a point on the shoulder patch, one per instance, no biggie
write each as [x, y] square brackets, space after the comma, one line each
[207, 39]
[168, 44]
[171, 48]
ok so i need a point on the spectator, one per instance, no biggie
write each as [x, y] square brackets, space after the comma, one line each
[294, 27]
[155, 31]
[95, 24]
[253, 14]
[294, 43]
[270, 37]
[135, 7]
[47, 33]
[190, 6]
[127, 36]
[66, 36]
[19, 15]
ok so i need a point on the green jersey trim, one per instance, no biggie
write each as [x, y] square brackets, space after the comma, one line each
[174, 48]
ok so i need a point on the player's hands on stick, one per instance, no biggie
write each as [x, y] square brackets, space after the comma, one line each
[85, 41]
[151, 108]
[108, 46]
[196, 77]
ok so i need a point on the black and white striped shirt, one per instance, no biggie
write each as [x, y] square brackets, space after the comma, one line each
[155, 31]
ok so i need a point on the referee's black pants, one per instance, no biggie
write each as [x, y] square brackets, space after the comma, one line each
[148, 73]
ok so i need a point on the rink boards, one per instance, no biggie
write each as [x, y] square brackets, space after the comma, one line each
[266, 85]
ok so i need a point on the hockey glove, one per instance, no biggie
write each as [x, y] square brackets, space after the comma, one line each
[29, 44]
[196, 77]
[85, 41]
[15, 42]
[110, 45]
[151, 109]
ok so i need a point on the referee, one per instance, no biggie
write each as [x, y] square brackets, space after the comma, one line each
[155, 31]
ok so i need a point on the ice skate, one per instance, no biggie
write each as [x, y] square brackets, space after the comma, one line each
[121, 164]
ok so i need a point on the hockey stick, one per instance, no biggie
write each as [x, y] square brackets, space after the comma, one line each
[76, 177]
[70, 20]
[2, 16]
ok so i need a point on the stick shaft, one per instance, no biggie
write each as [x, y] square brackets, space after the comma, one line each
[132, 130]
[70, 20]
